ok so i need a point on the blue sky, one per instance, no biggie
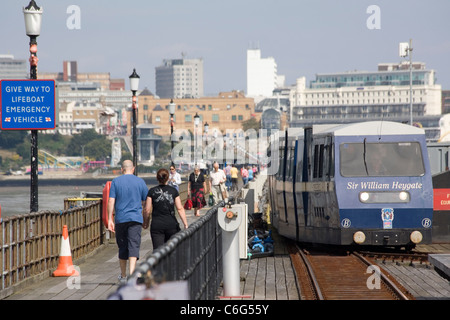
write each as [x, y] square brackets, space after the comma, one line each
[304, 36]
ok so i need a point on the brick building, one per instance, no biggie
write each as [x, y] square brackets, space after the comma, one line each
[226, 111]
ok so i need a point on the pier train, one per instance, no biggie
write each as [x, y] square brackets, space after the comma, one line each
[362, 183]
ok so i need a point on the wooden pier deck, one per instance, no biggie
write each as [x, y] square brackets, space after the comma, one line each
[266, 278]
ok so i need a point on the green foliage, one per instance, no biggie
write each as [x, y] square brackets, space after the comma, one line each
[251, 123]
[9, 139]
[53, 143]
[96, 146]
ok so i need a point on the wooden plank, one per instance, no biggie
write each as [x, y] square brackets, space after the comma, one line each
[271, 290]
[280, 275]
[250, 279]
[291, 281]
[260, 283]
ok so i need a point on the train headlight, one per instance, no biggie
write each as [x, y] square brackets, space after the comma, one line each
[359, 237]
[416, 237]
[364, 196]
[403, 196]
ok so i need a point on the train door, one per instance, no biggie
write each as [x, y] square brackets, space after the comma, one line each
[272, 171]
[306, 172]
[291, 225]
[298, 186]
[332, 209]
[318, 184]
[279, 184]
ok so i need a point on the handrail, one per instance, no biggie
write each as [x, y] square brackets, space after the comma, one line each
[193, 254]
[30, 243]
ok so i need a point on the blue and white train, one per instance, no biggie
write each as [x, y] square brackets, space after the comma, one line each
[362, 183]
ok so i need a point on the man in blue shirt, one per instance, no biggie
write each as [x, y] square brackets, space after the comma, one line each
[126, 196]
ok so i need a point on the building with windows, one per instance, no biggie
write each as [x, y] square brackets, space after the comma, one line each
[360, 96]
[179, 78]
[74, 117]
[445, 101]
[262, 76]
[11, 68]
[226, 111]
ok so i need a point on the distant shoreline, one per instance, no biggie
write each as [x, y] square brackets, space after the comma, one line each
[75, 180]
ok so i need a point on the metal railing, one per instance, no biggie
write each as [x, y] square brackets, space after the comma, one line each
[30, 243]
[194, 255]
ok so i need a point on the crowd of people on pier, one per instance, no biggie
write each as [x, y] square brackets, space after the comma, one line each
[131, 204]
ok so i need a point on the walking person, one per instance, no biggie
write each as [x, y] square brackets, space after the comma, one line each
[227, 171]
[196, 190]
[216, 179]
[250, 173]
[234, 178]
[126, 197]
[244, 174]
[160, 206]
[174, 178]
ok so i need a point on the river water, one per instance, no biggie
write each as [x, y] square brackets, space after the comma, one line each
[15, 196]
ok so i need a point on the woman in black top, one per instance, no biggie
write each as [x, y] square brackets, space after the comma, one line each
[160, 205]
[196, 190]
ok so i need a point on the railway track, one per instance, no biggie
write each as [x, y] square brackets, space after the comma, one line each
[325, 275]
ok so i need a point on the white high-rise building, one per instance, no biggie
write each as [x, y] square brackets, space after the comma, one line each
[180, 78]
[262, 76]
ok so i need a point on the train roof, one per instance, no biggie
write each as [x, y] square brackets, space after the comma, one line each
[371, 128]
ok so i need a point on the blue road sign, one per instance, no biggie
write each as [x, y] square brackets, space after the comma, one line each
[27, 105]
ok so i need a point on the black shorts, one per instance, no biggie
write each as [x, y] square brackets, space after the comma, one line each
[160, 236]
[128, 238]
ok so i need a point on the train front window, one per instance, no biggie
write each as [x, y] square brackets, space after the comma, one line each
[381, 159]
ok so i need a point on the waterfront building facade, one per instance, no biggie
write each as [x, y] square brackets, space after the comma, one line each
[362, 96]
[225, 111]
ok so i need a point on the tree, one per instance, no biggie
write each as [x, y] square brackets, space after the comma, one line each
[95, 145]
[9, 139]
[251, 123]
[54, 143]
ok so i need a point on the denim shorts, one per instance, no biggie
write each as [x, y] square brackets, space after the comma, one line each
[128, 238]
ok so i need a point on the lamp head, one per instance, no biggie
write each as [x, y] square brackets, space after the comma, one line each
[33, 19]
[196, 119]
[171, 107]
[134, 81]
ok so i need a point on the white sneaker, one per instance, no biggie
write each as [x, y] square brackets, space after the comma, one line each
[122, 280]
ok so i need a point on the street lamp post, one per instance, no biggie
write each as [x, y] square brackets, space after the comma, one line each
[405, 49]
[172, 112]
[206, 128]
[196, 123]
[33, 19]
[410, 82]
[134, 85]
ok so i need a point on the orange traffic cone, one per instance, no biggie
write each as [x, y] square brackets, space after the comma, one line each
[65, 266]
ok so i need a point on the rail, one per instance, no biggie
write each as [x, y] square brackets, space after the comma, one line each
[194, 255]
[30, 243]
[334, 275]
